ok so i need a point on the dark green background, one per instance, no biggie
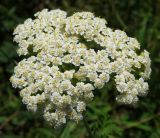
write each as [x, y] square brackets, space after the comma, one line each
[105, 118]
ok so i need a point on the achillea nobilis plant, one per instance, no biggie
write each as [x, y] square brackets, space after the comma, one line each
[60, 71]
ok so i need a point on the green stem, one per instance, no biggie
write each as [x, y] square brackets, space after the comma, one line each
[87, 128]
[117, 14]
[141, 121]
[8, 56]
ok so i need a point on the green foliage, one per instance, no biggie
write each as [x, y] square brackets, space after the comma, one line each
[104, 117]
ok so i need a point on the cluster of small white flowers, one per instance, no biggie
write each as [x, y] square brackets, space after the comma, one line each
[59, 72]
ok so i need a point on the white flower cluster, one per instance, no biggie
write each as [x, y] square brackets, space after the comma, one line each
[60, 71]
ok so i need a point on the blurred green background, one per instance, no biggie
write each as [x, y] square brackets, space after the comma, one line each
[104, 117]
